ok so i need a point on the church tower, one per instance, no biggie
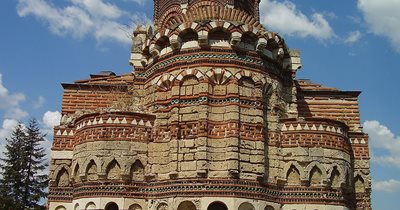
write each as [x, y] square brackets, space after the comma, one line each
[212, 117]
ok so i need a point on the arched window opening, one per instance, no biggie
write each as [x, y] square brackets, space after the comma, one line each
[217, 206]
[186, 205]
[113, 170]
[112, 206]
[62, 179]
[137, 171]
[163, 42]
[315, 176]
[248, 41]
[162, 206]
[247, 82]
[91, 172]
[219, 37]
[246, 206]
[293, 176]
[189, 35]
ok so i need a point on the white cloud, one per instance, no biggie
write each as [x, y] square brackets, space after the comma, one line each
[51, 119]
[141, 2]
[10, 102]
[389, 186]
[39, 102]
[82, 18]
[285, 18]
[382, 138]
[353, 37]
[383, 18]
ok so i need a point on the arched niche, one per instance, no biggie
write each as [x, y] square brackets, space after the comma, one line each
[315, 176]
[91, 171]
[335, 178]
[113, 170]
[137, 171]
[112, 206]
[62, 179]
[162, 206]
[219, 37]
[135, 207]
[187, 205]
[293, 176]
[188, 84]
[246, 206]
[76, 176]
[217, 206]
[359, 184]
[90, 206]
[268, 207]
[61, 208]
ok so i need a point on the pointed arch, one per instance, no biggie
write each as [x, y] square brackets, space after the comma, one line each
[113, 170]
[91, 171]
[293, 176]
[321, 169]
[137, 171]
[76, 174]
[62, 179]
[315, 176]
[335, 178]
[359, 184]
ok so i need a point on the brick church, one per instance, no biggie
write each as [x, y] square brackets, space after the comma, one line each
[212, 117]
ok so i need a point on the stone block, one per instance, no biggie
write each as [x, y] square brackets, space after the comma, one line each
[188, 166]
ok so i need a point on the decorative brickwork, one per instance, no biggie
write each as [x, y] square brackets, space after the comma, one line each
[212, 117]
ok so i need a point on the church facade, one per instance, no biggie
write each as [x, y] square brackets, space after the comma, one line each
[211, 118]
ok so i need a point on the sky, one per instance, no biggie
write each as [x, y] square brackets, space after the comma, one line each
[350, 45]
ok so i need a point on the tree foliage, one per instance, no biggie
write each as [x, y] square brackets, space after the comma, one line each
[24, 179]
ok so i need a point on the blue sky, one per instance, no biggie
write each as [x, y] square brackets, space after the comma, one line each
[350, 45]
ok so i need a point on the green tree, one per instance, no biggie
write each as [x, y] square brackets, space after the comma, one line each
[13, 170]
[36, 179]
[24, 178]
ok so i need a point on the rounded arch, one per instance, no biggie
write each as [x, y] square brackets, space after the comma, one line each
[189, 34]
[112, 206]
[246, 206]
[217, 205]
[218, 34]
[90, 206]
[62, 178]
[170, 15]
[162, 206]
[268, 207]
[219, 76]
[137, 171]
[165, 81]
[135, 207]
[187, 205]
[194, 72]
[249, 40]
[61, 208]
[113, 170]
